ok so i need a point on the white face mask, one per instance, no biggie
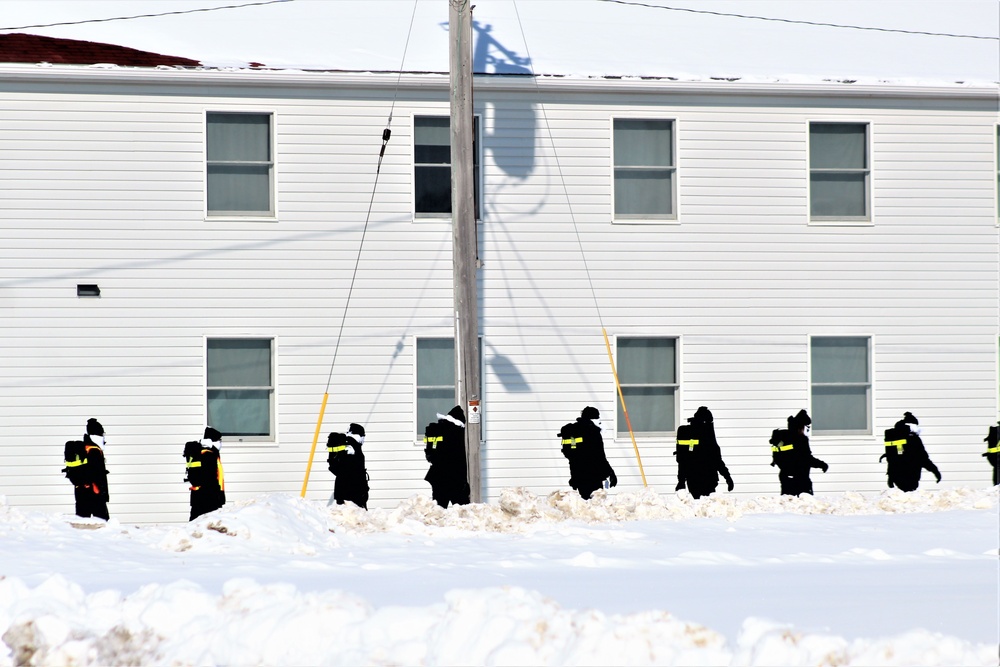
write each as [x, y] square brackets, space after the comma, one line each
[97, 440]
[806, 431]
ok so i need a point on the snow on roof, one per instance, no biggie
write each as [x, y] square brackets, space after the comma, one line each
[926, 41]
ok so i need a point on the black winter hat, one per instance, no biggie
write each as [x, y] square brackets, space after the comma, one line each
[212, 434]
[457, 413]
[590, 413]
[94, 427]
[801, 418]
[703, 415]
[908, 418]
[356, 429]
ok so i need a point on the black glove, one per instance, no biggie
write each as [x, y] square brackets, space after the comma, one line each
[614, 478]
[891, 485]
[937, 476]
[823, 466]
[729, 482]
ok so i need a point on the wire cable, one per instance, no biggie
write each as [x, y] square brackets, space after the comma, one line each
[798, 22]
[147, 16]
[579, 241]
[386, 134]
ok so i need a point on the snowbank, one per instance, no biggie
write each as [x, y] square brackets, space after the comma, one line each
[178, 622]
[56, 624]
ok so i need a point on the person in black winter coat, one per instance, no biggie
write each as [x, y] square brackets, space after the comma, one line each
[347, 463]
[85, 469]
[992, 452]
[583, 446]
[790, 452]
[204, 473]
[444, 448]
[906, 455]
[699, 458]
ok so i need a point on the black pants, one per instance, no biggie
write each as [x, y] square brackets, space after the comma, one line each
[455, 494]
[204, 501]
[90, 504]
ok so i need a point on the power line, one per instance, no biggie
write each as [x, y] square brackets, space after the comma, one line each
[147, 16]
[814, 23]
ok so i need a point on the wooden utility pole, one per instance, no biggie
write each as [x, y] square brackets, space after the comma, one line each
[464, 250]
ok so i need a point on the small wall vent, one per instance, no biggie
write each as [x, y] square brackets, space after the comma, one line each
[88, 290]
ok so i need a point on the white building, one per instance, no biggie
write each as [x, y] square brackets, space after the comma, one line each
[757, 248]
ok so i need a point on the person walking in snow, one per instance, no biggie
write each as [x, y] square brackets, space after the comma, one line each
[444, 448]
[791, 453]
[993, 450]
[85, 469]
[204, 473]
[699, 458]
[583, 446]
[346, 461]
[906, 455]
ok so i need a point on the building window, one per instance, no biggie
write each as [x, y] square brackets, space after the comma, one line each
[647, 374]
[998, 170]
[435, 380]
[839, 172]
[240, 164]
[841, 384]
[432, 166]
[645, 173]
[241, 387]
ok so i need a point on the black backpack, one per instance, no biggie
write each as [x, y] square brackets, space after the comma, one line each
[781, 449]
[895, 441]
[335, 445]
[194, 475]
[432, 439]
[571, 439]
[75, 454]
[687, 439]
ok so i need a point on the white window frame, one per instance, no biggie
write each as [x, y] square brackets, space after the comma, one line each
[267, 216]
[272, 437]
[870, 385]
[621, 428]
[840, 220]
[478, 178]
[674, 168]
[418, 429]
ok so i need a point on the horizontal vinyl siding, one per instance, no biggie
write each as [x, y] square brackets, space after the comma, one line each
[108, 188]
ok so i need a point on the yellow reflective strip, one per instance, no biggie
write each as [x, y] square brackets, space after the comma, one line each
[194, 464]
[898, 444]
[688, 442]
[993, 450]
[785, 448]
[338, 448]
[77, 462]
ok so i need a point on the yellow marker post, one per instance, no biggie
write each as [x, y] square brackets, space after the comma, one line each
[621, 396]
[312, 452]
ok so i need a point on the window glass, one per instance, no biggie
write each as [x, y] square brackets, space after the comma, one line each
[239, 168]
[841, 384]
[838, 171]
[435, 380]
[647, 374]
[240, 387]
[432, 165]
[644, 169]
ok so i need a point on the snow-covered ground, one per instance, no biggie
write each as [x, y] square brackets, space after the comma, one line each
[893, 579]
